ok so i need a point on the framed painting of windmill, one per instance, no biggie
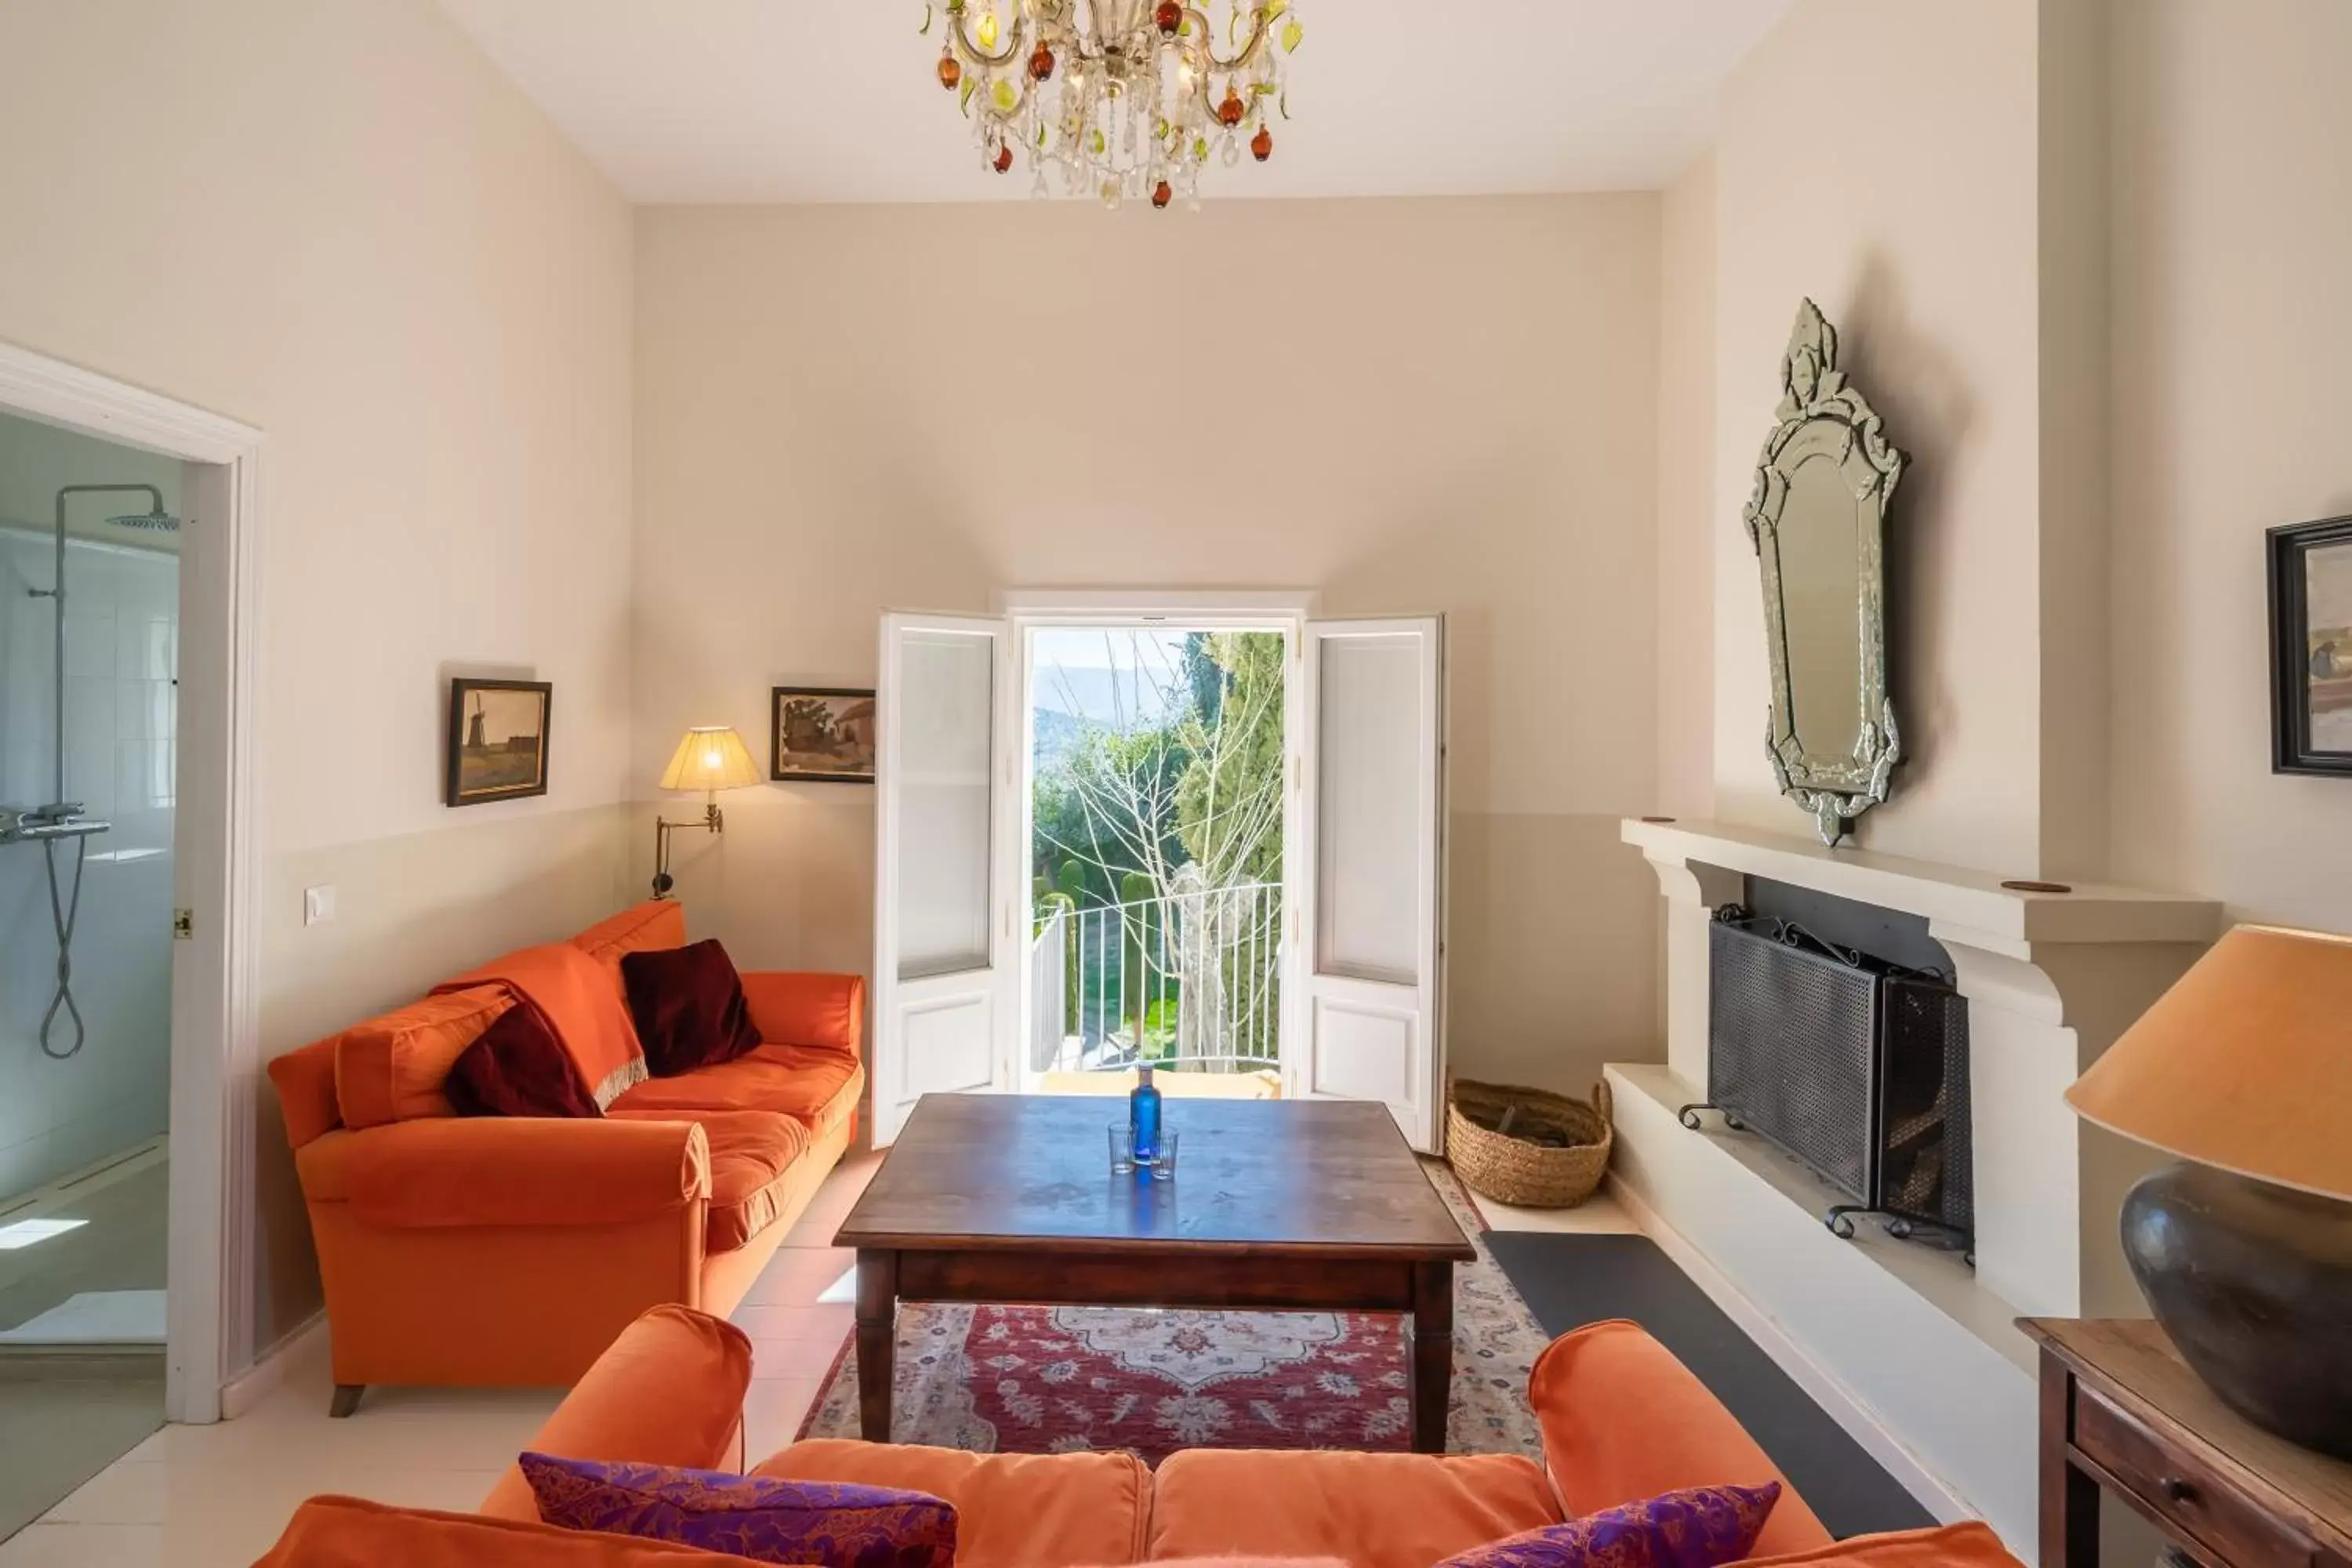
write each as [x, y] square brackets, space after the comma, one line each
[498, 740]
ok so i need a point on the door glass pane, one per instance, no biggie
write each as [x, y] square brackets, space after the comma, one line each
[1369, 809]
[946, 697]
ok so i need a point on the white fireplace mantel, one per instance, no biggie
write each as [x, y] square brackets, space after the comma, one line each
[2050, 979]
[1979, 908]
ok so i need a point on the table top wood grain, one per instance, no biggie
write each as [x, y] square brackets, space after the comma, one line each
[1315, 1178]
[2135, 1361]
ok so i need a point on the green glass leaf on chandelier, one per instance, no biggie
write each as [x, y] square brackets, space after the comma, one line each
[1292, 36]
[1099, 144]
[970, 86]
[1005, 96]
[988, 31]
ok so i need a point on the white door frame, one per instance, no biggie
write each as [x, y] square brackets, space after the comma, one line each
[216, 1038]
[1286, 611]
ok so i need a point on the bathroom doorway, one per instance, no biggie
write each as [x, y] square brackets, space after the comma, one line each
[90, 621]
[129, 595]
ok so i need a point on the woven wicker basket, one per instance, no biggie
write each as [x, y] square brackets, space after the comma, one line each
[1510, 1169]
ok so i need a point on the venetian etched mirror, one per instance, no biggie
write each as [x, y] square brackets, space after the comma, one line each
[1818, 521]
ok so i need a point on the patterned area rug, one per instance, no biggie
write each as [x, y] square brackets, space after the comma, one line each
[1043, 1380]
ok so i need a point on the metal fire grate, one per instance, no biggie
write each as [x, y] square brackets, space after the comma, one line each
[1790, 1051]
[1925, 1169]
[1856, 1068]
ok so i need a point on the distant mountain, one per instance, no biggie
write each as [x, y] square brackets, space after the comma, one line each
[1113, 698]
[1057, 737]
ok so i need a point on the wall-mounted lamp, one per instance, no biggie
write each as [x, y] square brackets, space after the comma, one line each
[708, 760]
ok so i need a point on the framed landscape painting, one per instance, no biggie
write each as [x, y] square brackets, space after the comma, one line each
[2311, 648]
[822, 735]
[498, 740]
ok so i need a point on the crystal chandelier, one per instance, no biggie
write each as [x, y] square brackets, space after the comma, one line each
[1125, 99]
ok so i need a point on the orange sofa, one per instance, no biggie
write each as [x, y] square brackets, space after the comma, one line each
[506, 1250]
[1621, 1420]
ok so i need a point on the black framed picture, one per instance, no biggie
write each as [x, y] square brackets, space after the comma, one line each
[498, 740]
[2311, 648]
[822, 734]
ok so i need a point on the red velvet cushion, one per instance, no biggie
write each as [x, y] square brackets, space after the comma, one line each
[519, 1069]
[688, 1006]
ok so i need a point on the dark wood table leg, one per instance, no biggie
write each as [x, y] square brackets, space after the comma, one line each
[2070, 1497]
[1432, 1355]
[877, 1338]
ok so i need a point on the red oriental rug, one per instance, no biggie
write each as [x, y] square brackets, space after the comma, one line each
[1043, 1380]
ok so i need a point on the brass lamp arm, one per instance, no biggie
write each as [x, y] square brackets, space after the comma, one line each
[712, 820]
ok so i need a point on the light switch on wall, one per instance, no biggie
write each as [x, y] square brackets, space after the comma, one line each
[318, 905]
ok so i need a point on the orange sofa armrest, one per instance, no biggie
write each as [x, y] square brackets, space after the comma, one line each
[669, 1391]
[827, 1011]
[1971, 1545]
[523, 1171]
[1623, 1420]
[305, 1082]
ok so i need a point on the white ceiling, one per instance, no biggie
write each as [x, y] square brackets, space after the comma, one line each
[799, 100]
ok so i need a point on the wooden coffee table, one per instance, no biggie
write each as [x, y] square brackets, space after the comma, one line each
[1305, 1206]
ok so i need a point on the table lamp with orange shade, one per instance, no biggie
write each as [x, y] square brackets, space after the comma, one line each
[2243, 1070]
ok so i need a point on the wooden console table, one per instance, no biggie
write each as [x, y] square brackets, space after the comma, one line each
[2122, 1412]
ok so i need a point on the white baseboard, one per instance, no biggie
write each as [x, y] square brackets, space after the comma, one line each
[1859, 1421]
[249, 1387]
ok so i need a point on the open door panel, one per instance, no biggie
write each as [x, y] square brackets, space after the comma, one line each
[1369, 1022]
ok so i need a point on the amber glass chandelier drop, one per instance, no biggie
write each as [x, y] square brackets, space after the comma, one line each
[1118, 100]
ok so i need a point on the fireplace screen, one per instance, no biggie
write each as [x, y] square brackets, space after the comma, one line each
[1856, 1067]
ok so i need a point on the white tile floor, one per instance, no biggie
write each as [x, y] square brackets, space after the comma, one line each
[217, 1497]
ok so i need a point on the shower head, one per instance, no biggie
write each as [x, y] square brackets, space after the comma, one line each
[155, 522]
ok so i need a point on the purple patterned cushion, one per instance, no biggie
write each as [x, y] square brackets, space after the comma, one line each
[1704, 1527]
[767, 1521]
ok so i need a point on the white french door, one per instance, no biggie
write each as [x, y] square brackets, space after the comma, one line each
[1366, 1019]
[947, 962]
[1362, 962]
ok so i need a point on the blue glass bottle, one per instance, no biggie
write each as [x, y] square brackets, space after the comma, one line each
[1143, 1118]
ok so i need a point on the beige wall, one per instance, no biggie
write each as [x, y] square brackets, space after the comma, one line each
[2075, 376]
[2085, 267]
[2232, 413]
[340, 224]
[1686, 497]
[1408, 406]
[1881, 158]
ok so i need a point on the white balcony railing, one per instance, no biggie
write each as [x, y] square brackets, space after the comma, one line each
[1189, 982]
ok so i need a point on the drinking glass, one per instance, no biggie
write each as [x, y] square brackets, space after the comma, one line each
[1163, 1169]
[1122, 1149]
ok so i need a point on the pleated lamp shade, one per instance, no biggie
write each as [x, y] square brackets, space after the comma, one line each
[712, 759]
[2246, 1064]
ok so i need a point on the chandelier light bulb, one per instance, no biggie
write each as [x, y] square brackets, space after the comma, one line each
[1119, 95]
